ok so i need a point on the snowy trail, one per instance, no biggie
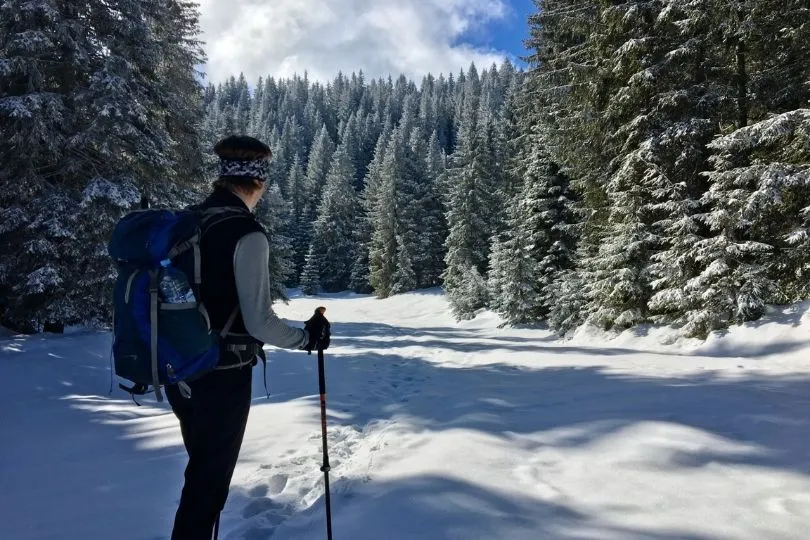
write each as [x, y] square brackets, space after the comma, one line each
[436, 430]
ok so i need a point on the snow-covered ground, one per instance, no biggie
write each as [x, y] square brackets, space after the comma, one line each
[436, 430]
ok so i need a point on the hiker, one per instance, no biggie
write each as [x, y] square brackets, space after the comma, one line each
[234, 263]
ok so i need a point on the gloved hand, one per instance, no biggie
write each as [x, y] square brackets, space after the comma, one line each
[319, 331]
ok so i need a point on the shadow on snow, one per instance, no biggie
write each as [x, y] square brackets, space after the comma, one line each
[138, 489]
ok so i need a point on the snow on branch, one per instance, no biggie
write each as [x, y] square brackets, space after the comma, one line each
[765, 133]
[122, 195]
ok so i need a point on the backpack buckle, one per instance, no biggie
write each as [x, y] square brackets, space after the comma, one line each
[153, 282]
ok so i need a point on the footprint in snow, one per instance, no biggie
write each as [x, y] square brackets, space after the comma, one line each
[259, 491]
[277, 484]
[263, 514]
[262, 506]
[532, 475]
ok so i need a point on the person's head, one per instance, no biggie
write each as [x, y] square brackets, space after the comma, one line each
[243, 167]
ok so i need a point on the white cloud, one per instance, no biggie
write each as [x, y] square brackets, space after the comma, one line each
[322, 37]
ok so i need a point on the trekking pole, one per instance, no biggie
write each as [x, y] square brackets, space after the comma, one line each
[325, 467]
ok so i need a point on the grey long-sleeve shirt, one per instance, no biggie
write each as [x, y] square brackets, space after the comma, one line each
[250, 267]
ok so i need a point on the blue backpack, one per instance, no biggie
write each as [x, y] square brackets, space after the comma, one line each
[156, 341]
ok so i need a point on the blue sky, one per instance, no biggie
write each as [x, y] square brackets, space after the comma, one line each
[506, 34]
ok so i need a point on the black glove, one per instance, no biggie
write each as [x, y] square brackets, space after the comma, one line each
[319, 331]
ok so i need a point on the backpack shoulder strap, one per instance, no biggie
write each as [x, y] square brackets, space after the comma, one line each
[210, 217]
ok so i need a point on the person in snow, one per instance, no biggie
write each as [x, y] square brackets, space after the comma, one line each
[234, 261]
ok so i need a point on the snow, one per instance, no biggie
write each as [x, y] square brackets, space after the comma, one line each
[123, 194]
[437, 429]
[764, 132]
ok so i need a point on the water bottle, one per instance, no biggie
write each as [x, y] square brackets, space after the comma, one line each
[174, 287]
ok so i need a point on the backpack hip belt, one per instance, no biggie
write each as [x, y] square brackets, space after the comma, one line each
[240, 355]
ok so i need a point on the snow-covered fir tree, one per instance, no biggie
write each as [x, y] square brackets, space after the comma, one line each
[631, 94]
[273, 212]
[753, 61]
[362, 115]
[553, 99]
[538, 243]
[433, 224]
[97, 106]
[471, 205]
[320, 159]
[310, 277]
[299, 228]
[351, 141]
[333, 239]
[404, 278]
[361, 273]
[412, 192]
[383, 252]
[757, 215]
[642, 122]
[589, 189]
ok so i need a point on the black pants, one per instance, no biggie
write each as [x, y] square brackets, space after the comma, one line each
[213, 424]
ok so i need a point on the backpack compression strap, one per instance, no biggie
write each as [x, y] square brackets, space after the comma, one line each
[153, 320]
[191, 243]
[141, 389]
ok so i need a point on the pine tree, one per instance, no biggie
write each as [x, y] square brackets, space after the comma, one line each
[758, 204]
[538, 245]
[310, 279]
[88, 91]
[295, 185]
[568, 300]
[350, 139]
[302, 228]
[320, 159]
[176, 26]
[382, 255]
[273, 212]
[359, 281]
[469, 228]
[404, 277]
[333, 236]
[558, 96]
[770, 41]
[489, 162]
[298, 227]
[433, 225]
[496, 280]
[242, 105]
[361, 273]
[411, 190]
[746, 32]
[659, 112]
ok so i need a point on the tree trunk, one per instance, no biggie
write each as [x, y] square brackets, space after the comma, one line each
[54, 327]
[742, 86]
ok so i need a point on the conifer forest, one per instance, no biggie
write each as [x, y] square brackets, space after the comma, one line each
[649, 164]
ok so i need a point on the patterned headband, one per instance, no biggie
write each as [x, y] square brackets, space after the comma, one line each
[257, 168]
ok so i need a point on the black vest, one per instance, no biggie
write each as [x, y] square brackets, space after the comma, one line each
[217, 246]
